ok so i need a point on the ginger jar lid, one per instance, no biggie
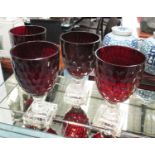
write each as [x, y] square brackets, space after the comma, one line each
[121, 31]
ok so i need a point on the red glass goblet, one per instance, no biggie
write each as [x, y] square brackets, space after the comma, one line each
[22, 34]
[118, 73]
[78, 49]
[35, 65]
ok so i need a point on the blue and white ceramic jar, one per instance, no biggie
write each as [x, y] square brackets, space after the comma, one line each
[148, 48]
[120, 36]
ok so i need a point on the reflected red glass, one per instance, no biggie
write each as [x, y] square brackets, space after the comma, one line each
[51, 131]
[22, 34]
[78, 52]
[72, 130]
[118, 72]
[35, 66]
[101, 135]
[27, 103]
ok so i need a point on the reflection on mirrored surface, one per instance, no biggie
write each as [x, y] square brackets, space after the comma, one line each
[139, 119]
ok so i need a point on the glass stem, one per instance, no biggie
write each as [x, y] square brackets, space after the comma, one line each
[76, 106]
[37, 103]
[113, 118]
[78, 81]
[112, 106]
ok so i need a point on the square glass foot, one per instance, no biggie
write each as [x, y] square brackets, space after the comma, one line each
[40, 116]
[78, 94]
[109, 119]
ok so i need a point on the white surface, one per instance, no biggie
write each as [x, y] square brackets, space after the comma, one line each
[5, 25]
[4, 54]
[131, 23]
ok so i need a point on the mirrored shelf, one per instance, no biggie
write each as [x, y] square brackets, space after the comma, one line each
[139, 119]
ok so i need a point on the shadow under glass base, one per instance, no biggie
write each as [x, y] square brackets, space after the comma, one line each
[40, 115]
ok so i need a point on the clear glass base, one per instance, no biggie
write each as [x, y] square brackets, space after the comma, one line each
[40, 115]
[78, 92]
[108, 117]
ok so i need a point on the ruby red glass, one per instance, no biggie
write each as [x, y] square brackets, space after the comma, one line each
[22, 34]
[101, 135]
[35, 66]
[75, 115]
[118, 72]
[51, 131]
[78, 52]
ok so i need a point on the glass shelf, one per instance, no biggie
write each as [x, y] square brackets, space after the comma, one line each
[139, 119]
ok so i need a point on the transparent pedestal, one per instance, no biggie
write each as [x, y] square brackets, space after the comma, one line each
[108, 117]
[78, 92]
[40, 115]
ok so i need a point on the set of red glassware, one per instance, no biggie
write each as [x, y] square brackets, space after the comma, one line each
[118, 70]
